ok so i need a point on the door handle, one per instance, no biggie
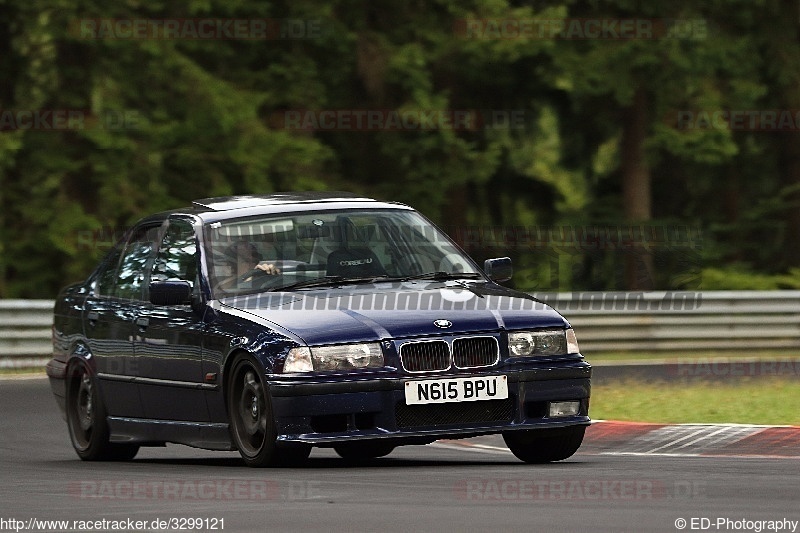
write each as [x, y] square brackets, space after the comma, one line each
[142, 322]
[92, 317]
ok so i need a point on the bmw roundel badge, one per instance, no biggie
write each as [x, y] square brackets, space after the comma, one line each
[443, 324]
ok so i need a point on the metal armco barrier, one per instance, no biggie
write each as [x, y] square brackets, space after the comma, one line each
[681, 321]
[25, 329]
[603, 321]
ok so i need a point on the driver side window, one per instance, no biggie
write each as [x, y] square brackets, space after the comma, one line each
[177, 256]
[131, 272]
[107, 278]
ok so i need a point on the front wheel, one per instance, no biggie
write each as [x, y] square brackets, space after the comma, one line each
[544, 445]
[86, 419]
[252, 422]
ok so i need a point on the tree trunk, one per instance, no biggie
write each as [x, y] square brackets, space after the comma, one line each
[636, 194]
[784, 53]
[791, 180]
[791, 151]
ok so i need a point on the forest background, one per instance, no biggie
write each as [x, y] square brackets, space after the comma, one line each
[603, 145]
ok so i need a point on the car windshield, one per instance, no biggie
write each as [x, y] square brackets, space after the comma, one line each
[292, 251]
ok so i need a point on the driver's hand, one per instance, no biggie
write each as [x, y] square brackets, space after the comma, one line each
[269, 268]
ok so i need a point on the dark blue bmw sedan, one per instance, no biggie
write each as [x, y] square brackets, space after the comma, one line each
[273, 324]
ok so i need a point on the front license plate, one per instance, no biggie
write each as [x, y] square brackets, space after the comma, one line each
[456, 390]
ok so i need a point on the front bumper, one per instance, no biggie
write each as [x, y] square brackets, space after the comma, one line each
[329, 412]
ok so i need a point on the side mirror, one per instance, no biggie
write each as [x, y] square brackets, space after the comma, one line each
[170, 292]
[498, 269]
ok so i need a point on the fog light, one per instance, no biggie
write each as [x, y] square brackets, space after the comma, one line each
[564, 409]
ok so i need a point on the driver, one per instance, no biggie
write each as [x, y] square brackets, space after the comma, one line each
[244, 258]
[246, 254]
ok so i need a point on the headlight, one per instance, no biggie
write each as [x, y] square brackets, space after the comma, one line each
[572, 342]
[341, 357]
[543, 342]
[298, 360]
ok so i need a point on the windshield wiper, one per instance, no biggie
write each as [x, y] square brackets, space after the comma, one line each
[330, 281]
[326, 281]
[441, 276]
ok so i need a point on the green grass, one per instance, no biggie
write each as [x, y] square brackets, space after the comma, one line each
[773, 401]
[22, 371]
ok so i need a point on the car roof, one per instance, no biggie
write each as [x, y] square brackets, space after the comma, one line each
[225, 207]
[225, 203]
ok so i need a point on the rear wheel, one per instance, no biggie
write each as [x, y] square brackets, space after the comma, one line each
[354, 451]
[544, 445]
[252, 422]
[86, 419]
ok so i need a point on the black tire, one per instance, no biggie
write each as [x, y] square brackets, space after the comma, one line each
[544, 445]
[354, 451]
[86, 419]
[252, 423]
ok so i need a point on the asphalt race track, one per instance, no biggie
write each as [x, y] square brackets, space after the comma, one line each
[471, 485]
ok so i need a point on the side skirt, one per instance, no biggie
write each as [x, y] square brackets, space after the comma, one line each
[153, 432]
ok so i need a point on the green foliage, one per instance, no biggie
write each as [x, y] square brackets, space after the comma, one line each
[740, 278]
[169, 120]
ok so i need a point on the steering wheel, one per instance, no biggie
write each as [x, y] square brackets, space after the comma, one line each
[250, 274]
[259, 279]
[266, 278]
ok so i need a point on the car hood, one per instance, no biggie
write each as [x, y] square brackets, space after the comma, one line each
[395, 310]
